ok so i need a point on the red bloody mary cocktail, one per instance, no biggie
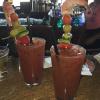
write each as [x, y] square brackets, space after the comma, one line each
[31, 60]
[67, 70]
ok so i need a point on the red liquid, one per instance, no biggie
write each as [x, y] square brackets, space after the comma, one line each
[67, 71]
[31, 60]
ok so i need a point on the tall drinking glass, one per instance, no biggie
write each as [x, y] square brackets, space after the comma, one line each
[31, 60]
[4, 52]
[67, 71]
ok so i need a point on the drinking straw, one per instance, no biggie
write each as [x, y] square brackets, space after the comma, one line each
[53, 37]
[54, 41]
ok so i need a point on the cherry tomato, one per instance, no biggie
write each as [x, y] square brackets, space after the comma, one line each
[25, 40]
[65, 45]
[66, 19]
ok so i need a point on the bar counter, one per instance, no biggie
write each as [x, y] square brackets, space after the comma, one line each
[14, 88]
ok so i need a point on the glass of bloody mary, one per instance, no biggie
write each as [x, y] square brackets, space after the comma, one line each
[67, 67]
[31, 58]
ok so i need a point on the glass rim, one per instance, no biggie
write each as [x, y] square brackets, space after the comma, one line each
[83, 53]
